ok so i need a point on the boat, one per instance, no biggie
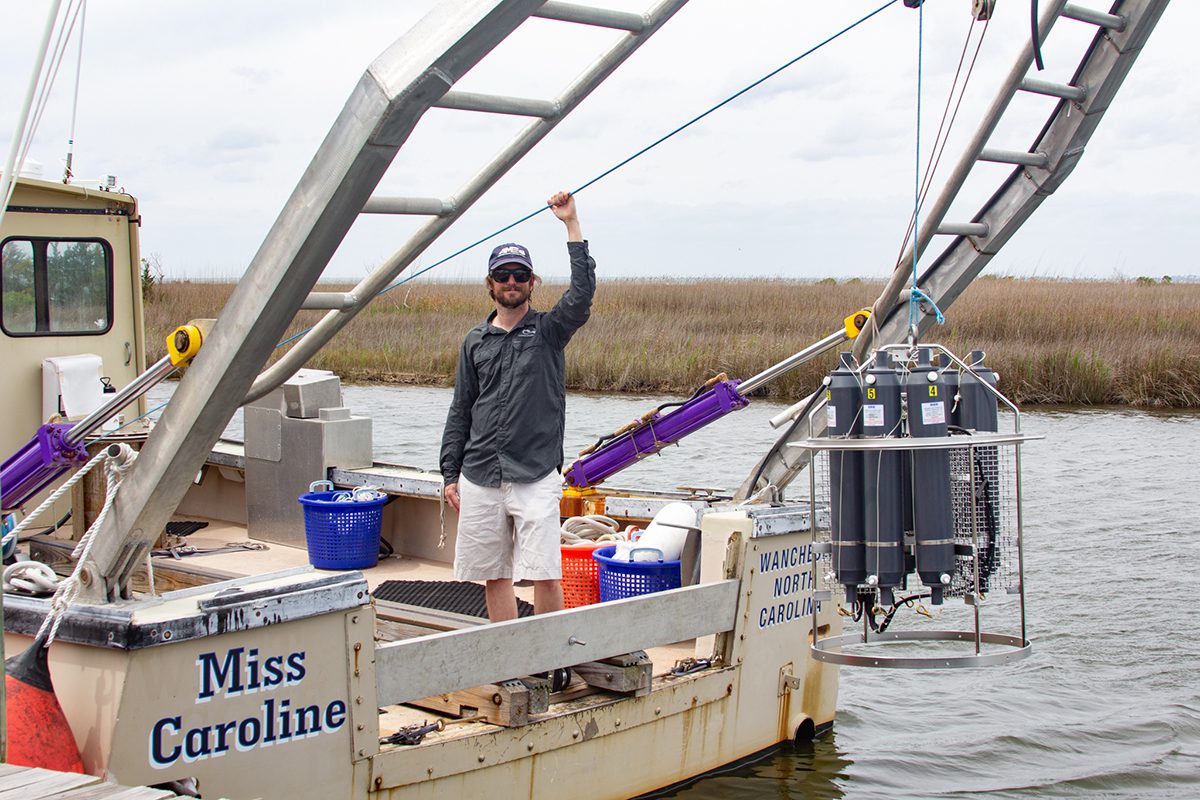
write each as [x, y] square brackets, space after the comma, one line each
[250, 672]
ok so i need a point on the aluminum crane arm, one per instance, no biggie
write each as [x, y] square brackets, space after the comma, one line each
[417, 73]
[1121, 34]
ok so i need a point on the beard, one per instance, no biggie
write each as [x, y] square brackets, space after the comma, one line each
[508, 299]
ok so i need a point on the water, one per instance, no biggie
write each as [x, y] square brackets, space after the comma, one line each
[1107, 706]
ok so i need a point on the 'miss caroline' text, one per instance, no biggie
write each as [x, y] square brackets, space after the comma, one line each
[795, 576]
[277, 720]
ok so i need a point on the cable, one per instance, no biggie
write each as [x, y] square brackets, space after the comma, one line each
[939, 141]
[912, 301]
[607, 172]
[110, 434]
[625, 161]
[49, 528]
[891, 612]
[1035, 35]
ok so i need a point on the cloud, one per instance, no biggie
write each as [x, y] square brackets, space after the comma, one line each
[820, 157]
[237, 141]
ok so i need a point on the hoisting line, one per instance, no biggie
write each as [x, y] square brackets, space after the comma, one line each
[622, 163]
[944, 126]
[912, 300]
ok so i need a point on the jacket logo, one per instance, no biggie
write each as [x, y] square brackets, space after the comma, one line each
[527, 332]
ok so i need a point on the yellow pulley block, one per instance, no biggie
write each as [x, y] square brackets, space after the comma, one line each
[856, 322]
[184, 343]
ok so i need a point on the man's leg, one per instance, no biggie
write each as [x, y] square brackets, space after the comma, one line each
[547, 596]
[484, 546]
[534, 508]
[502, 600]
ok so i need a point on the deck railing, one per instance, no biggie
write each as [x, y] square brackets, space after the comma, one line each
[447, 662]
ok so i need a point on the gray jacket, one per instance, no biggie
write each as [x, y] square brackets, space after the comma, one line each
[506, 420]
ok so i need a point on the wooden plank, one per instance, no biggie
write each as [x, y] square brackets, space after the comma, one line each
[35, 783]
[632, 673]
[627, 659]
[432, 618]
[25, 781]
[110, 791]
[446, 662]
[388, 631]
[508, 703]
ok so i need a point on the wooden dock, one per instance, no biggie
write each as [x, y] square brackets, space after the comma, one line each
[32, 783]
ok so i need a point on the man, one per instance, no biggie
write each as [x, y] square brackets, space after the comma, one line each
[502, 448]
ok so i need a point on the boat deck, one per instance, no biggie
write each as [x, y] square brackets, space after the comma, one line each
[396, 621]
[240, 562]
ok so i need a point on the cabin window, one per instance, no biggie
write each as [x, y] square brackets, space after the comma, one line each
[52, 287]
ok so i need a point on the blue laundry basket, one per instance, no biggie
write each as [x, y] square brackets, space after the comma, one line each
[630, 578]
[342, 535]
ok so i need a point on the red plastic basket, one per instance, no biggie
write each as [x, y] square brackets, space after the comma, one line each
[580, 575]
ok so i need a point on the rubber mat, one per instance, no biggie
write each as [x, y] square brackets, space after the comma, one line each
[184, 528]
[458, 597]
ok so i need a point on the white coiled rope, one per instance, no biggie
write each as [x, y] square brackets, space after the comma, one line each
[362, 494]
[117, 460]
[32, 577]
[590, 528]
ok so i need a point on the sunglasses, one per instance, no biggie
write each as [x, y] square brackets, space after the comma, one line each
[521, 275]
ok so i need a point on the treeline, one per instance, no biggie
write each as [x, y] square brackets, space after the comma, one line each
[1053, 342]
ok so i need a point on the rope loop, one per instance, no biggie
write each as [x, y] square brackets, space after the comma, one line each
[920, 297]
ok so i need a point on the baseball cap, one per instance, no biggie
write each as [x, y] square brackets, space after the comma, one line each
[509, 253]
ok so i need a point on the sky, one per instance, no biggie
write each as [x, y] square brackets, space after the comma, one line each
[209, 112]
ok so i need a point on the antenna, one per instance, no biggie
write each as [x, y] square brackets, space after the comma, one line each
[67, 174]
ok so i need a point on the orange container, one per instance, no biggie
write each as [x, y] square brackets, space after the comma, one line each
[580, 575]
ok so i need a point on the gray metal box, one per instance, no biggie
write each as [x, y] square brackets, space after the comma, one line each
[294, 436]
[304, 394]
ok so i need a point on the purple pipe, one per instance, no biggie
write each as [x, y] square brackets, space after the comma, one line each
[38, 464]
[655, 434]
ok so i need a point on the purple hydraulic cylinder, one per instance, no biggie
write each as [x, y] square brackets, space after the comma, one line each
[654, 434]
[39, 463]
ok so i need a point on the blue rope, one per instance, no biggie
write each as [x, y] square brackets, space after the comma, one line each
[621, 164]
[912, 300]
[917, 296]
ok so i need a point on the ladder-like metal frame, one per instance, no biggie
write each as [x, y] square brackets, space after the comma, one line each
[415, 74]
[1038, 172]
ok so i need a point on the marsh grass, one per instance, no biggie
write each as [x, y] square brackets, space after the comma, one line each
[1053, 342]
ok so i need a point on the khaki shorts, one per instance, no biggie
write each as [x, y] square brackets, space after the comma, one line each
[509, 532]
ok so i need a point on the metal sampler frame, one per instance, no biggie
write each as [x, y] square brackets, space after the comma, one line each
[1038, 170]
[830, 649]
